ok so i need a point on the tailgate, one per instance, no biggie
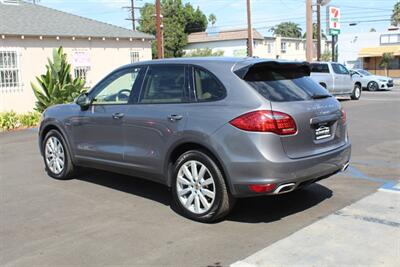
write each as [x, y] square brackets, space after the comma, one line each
[319, 127]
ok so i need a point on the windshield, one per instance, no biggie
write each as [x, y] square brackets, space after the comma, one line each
[284, 84]
[364, 72]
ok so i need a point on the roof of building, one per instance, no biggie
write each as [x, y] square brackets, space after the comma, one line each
[239, 34]
[35, 20]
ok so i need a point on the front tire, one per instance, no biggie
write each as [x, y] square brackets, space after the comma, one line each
[199, 189]
[373, 86]
[356, 92]
[56, 156]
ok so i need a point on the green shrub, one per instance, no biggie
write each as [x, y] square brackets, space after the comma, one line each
[29, 119]
[57, 85]
[9, 120]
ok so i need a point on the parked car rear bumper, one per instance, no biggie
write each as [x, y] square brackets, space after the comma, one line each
[246, 165]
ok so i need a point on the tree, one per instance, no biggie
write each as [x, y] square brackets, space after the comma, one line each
[57, 85]
[287, 29]
[396, 15]
[204, 52]
[315, 32]
[326, 56]
[179, 20]
[372, 30]
[212, 19]
[385, 61]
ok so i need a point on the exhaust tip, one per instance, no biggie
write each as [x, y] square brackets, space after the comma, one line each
[285, 188]
[345, 166]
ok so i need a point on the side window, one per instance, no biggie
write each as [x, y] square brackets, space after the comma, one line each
[336, 68]
[207, 87]
[321, 68]
[343, 69]
[339, 69]
[164, 84]
[117, 88]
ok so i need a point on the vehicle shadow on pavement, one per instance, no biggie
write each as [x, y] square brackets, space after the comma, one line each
[262, 209]
[132, 185]
[273, 208]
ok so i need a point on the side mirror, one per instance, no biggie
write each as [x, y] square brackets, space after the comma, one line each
[83, 100]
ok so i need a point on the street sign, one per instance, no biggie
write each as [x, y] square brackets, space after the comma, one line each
[333, 16]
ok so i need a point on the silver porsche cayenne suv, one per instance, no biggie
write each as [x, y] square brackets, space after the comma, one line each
[211, 129]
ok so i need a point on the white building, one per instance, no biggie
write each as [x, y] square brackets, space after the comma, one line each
[234, 44]
[350, 44]
[28, 34]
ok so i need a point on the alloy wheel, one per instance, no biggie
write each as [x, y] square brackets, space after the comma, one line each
[195, 187]
[373, 86]
[54, 155]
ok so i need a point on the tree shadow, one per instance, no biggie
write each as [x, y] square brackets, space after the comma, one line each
[273, 208]
[261, 209]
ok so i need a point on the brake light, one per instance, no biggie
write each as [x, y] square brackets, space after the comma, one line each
[266, 121]
[344, 117]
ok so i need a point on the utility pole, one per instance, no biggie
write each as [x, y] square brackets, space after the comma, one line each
[318, 30]
[249, 31]
[309, 31]
[132, 18]
[133, 15]
[159, 36]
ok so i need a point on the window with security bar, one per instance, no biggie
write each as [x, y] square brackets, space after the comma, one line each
[81, 72]
[135, 56]
[9, 69]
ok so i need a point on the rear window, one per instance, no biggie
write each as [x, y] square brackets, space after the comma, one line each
[284, 83]
[321, 68]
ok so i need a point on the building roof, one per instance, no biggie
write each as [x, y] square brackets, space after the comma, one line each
[35, 20]
[239, 34]
[379, 51]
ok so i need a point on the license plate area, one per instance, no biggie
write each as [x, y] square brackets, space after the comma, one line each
[322, 131]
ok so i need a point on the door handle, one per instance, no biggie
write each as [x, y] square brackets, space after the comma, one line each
[175, 117]
[118, 115]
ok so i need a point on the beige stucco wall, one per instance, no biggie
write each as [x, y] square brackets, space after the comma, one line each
[104, 55]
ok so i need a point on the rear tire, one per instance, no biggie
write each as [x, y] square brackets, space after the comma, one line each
[356, 92]
[199, 189]
[56, 156]
[373, 86]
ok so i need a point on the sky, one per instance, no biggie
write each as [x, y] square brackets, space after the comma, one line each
[232, 13]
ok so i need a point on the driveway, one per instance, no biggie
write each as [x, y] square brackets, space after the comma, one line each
[103, 219]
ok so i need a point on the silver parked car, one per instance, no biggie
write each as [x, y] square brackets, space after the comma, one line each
[372, 82]
[211, 129]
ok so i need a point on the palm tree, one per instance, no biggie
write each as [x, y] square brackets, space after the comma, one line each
[212, 19]
[396, 15]
[385, 62]
[287, 29]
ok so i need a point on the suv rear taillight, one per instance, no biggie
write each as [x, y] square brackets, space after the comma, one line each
[266, 121]
[344, 117]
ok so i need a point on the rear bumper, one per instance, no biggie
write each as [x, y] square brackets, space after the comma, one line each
[298, 172]
[246, 165]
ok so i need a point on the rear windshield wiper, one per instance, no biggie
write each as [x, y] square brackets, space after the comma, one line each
[320, 96]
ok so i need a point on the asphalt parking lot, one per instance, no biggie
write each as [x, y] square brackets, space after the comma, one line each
[104, 219]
